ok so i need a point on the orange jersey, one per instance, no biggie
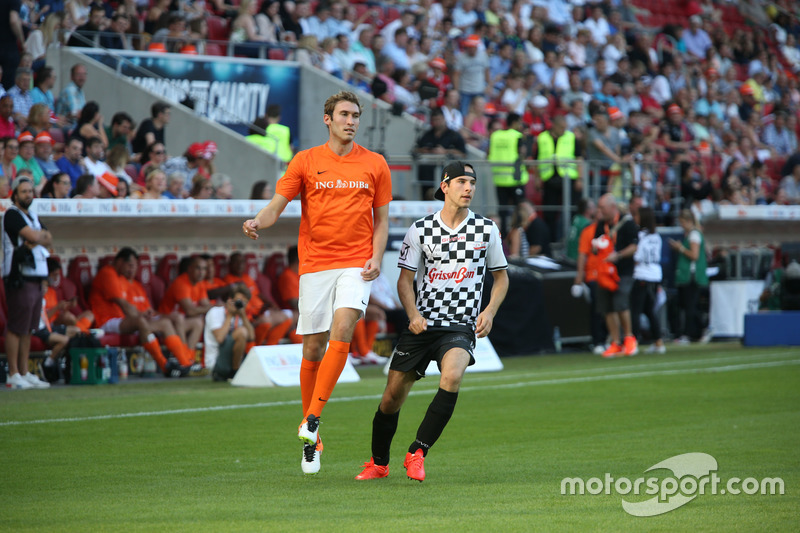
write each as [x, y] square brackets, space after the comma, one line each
[50, 298]
[289, 285]
[216, 283]
[181, 289]
[337, 195]
[585, 247]
[107, 286]
[256, 303]
[137, 295]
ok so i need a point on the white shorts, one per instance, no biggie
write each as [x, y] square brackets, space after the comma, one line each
[112, 326]
[321, 293]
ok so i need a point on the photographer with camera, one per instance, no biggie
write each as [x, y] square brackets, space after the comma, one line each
[24, 268]
[227, 332]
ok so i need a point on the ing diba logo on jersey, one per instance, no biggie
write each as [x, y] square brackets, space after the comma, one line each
[341, 184]
[458, 276]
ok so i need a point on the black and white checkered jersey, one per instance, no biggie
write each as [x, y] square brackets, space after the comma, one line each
[451, 265]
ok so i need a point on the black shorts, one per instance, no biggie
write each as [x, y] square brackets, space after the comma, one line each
[415, 352]
[44, 333]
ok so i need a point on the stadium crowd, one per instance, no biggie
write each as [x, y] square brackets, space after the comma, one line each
[701, 111]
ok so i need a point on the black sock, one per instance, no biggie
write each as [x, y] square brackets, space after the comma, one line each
[383, 428]
[439, 412]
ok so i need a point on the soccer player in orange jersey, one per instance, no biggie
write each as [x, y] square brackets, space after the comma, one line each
[345, 191]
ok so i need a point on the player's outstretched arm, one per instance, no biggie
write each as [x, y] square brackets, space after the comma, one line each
[405, 291]
[266, 217]
[499, 289]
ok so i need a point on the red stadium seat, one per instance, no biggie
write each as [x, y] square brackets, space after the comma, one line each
[57, 134]
[153, 285]
[251, 265]
[217, 28]
[105, 260]
[79, 272]
[273, 268]
[220, 265]
[276, 54]
[214, 49]
[167, 268]
[265, 289]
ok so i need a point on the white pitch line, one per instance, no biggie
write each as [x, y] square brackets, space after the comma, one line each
[535, 383]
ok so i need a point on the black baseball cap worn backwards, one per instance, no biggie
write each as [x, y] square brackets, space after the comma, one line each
[455, 169]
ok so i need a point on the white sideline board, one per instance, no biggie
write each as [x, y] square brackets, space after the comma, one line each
[279, 366]
[486, 360]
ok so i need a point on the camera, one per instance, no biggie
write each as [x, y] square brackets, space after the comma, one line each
[238, 304]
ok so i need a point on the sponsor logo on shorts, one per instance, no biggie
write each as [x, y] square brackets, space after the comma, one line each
[398, 353]
[458, 276]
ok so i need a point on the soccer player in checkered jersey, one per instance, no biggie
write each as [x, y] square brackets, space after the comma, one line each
[450, 252]
[344, 191]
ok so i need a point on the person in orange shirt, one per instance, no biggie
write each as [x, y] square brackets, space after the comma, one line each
[215, 286]
[270, 322]
[587, 274]
[115, 313]
[187, 298]
[344, 191]
[63, 311]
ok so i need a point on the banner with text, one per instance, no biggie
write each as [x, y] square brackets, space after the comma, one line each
[231, 91]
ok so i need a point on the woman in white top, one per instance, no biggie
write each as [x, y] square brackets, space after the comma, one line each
[647, 277]
[244, 30]
[37, 42]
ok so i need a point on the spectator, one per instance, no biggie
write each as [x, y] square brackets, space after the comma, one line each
[343, 54]
[93, 162]
[452, 111]
[123, 188]
[154, 157]
[615, 244]
[261, 191]
[226, 334]
[86, 187]
[582, 219]
[780, 139]
[175, 186]
[471, 72]
[188, 297]
[441, 141]
[517, 240]
[696, 39]
[280, 133]
[10, 152]
[151, 130]
[117, 159]
[38, 119]
[476, 123]
[43, 151]
[188, 164]
[245, 32]
[155, 185]
[20, 93]
[114, 313]
[25, 160]
[23, 234]
[690, 277]
[202, 189]
[58, 186]
[107, 186]
[223, 188]
[115, 38]
[158, 12]
[89, 125]
[11, 39]
[269, 22]
[7, 126]
[647, 278]
[87, 34]
[70, 162]
[598, 26]
[603, 149]
[174, 35]
[77, 12]
[515, 96]
[790, 185]
[42, 92]
[71, 100]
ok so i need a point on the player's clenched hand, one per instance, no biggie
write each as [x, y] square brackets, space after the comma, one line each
[371, 271]
[484, 324]
[250, 227]
[417, 325]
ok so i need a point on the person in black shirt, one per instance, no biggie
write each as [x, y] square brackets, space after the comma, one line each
[151, 130]
[615, 243]
[439, 140]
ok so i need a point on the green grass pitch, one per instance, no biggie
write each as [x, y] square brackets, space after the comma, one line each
[192, 455]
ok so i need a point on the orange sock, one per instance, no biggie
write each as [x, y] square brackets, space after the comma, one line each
[328, 374]
[278, 332]
[372, 328]
[179, 350]
[262, 330]
[295, 338]
[308, 378]
[155, 352]
[359, 341]
[83, 324]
